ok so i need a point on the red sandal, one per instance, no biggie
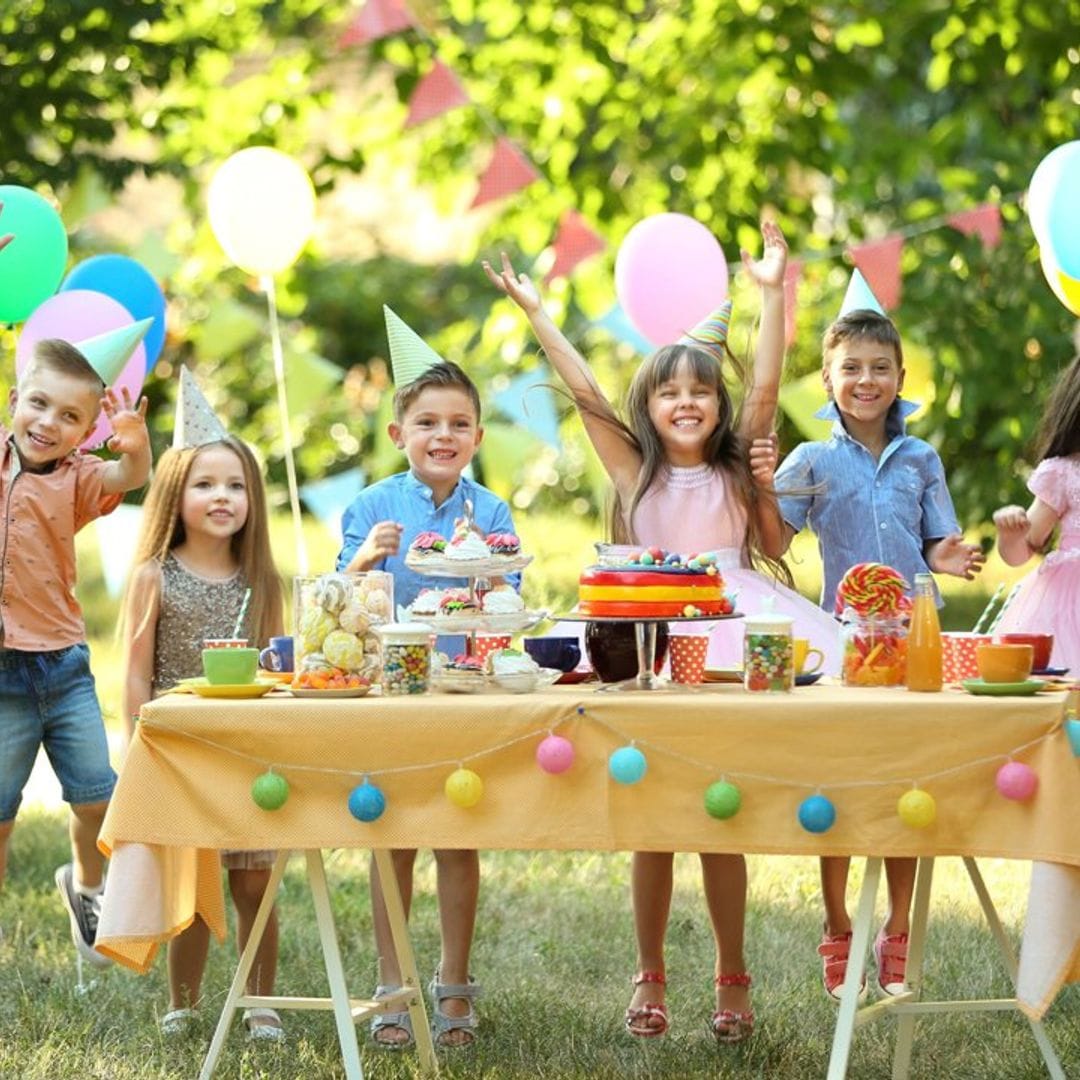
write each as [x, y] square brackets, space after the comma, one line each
[730, 1025]
[650, 1020]
[834, 951]
[890, 952]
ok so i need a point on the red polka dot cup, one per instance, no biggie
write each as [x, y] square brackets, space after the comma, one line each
[958, 655]
[688, 652]
[489, 643]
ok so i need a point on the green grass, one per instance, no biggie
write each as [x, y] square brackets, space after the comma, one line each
[554, 951]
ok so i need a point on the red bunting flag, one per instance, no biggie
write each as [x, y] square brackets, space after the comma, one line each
[508, 171]
[879, 263]
[376, 19]
[436, 93]
[792, 274]
[983, 221]
[573, 244]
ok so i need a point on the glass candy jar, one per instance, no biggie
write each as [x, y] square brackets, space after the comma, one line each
[334, 621]
[768, 653]
[406, 657]
[875, 649]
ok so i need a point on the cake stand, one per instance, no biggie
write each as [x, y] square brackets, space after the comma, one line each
[645, 639]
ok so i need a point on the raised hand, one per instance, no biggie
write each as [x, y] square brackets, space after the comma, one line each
[952, 555]
[383, 540]
[764, 457]
[768, 271]
[128, 423]
[1011, 521]
[518, 287]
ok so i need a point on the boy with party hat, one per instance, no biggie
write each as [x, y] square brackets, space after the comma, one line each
[871, 493]
[49, 491]
[437, 423]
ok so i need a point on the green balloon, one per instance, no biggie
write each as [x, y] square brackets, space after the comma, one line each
[722, 800]
[270, 791]
[32, 265]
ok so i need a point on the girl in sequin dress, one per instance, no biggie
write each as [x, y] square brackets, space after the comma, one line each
[204, 542]
[681, 469]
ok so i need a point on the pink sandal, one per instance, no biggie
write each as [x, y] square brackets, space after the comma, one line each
[730, 1025]
[650, 1020]
[890, 953]
[834, 951]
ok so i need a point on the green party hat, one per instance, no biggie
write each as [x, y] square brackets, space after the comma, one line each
[711, 333]
[196, 422]
[109, 353]
[410, 354]
[859, 297]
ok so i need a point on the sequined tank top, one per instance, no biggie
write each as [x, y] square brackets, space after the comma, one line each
[192, 608]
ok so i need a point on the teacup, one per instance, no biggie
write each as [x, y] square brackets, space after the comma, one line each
[1042, 644]
[225, 643]
[1004, 663]
[278, 655]
[230, 667]
[802, 651]
[560, 653]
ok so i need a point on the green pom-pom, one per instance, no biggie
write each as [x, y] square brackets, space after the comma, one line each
[270, 791]
[722, 800]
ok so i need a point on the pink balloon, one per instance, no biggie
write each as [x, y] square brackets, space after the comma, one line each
[75, 316]
[1015, 780]
[670, 274]
[555, 754]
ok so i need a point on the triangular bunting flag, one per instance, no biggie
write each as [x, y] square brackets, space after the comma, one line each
[879, 261]
[792, 274]
[508, 171]
[573, 244]
[328, 499]
[410, 354]
[196, 423]
[617, 323]
[376, 19]
[859, 297]
[109, 353]
[528, 401]
[711, 333]
[983, 221]
[436, 93]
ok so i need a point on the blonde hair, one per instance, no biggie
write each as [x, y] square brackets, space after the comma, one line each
[163, 529]
[61, 357]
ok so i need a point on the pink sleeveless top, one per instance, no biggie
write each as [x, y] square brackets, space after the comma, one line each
[689, 510]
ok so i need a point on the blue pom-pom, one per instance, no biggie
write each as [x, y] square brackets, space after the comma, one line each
[817, 814]
[627, 765]
[366, 802]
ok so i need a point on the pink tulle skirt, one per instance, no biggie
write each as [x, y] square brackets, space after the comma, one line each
[1049, 603]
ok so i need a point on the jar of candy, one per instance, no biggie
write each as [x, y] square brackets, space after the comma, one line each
[406, 656]
[875, 649]
[614, 554]
[334, 621]
[768, 660]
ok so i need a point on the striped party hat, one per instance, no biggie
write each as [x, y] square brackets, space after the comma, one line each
[711, 333]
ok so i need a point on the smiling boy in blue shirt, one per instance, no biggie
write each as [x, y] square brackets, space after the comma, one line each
[871, 493]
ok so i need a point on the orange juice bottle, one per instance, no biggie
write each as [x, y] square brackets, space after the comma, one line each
[924, 638]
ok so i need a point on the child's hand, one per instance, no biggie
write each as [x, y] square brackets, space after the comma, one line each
[517, 286]
[764, 457]
[383, 541]
[129, 424]
[768, 271]
[953, 556]
[1011, 521]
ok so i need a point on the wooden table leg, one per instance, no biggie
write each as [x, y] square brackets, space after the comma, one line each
[913, 977]
[849, 994]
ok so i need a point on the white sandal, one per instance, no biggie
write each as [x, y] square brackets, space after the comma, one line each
[263, 1025]
[177, 1021]
[441, 1024]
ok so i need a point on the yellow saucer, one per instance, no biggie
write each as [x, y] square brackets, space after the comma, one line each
[230, 690]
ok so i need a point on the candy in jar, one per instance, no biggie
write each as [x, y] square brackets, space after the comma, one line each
[406, 657]
[875, 649]
[768, 660]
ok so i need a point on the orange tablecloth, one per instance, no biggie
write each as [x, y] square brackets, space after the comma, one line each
[185, 787]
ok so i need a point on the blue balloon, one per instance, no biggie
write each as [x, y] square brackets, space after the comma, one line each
[1063, 219]
[1072, 729]
[817, 814]
[366, 802]
[131, 284]
[627, 765]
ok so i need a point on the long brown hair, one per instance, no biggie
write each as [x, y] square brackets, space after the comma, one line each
[1059, 429]
[725, 448]
[163, 529]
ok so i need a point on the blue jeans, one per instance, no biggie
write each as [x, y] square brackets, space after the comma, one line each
[48, 698]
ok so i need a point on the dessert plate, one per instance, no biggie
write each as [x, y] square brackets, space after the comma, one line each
[808, 678]
[569, 678]
[1003, 689]
[229, 690]
[1051, 672]
[340, 691]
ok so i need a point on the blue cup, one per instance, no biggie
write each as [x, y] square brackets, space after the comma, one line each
[560, 653]
[278, 655]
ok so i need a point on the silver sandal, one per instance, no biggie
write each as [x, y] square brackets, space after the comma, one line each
[383, 1021]
[263, 1025]
[441, 1024]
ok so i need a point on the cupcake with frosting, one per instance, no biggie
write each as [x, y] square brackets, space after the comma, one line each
[514, 670]
[502, 600]
[427, 543]
[503, 544]
[427, 602]
[457, 602]
[467, 546]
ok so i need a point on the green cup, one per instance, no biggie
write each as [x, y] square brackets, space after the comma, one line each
[230, 667]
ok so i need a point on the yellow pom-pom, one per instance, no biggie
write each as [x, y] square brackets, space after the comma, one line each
[917, 808]
[464, 788]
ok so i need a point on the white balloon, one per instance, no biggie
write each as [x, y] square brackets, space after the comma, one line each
[262, 209]
[1043, 184]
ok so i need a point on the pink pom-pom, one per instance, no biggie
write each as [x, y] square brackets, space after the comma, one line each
[555, 754]
[1015, 780]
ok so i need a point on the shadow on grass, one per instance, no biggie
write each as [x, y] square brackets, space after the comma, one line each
[554, 952]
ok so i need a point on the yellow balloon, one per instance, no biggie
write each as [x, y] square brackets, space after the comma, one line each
[917, 808]
[262, 209]
[1071, 288]
[464, 788]
[1065, 288]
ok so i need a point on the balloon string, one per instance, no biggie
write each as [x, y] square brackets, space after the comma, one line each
[267, 283]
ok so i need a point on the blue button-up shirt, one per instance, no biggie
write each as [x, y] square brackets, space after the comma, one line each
[409, 502]
[864, 509]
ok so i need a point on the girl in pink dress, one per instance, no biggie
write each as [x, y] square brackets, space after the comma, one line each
[684, 469]
[1049, 598]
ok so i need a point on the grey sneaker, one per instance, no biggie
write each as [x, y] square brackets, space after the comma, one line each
[83, 912]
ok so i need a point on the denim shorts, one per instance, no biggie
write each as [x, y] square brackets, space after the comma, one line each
[48, 699]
